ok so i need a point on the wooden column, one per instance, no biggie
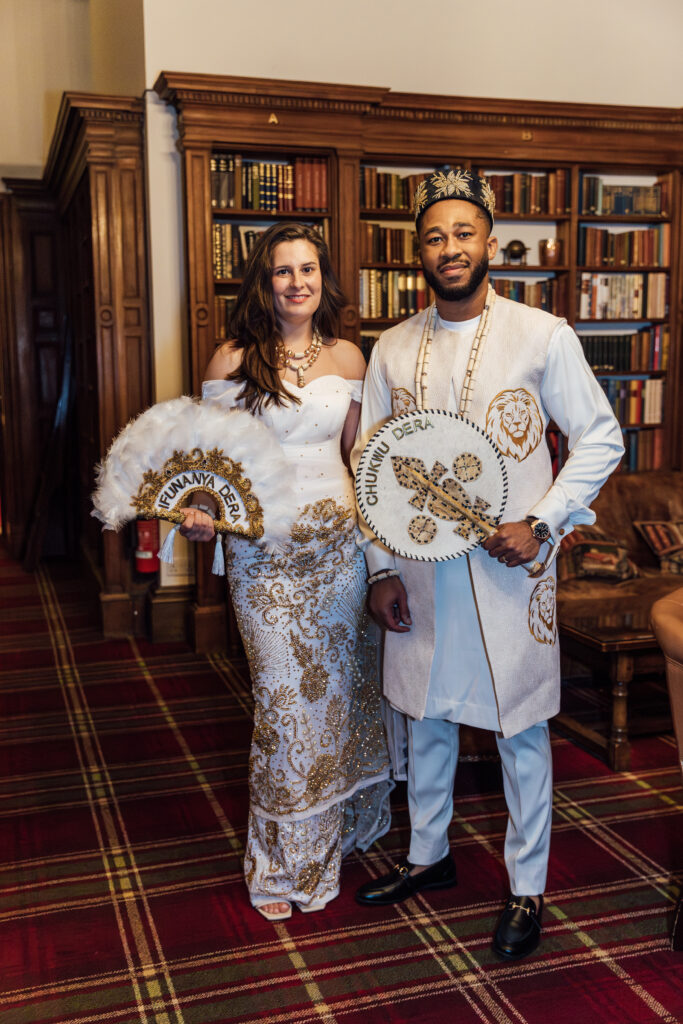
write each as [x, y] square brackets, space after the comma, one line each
[95, 171]
[347, 213]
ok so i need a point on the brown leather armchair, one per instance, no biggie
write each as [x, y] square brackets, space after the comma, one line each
[667, 625]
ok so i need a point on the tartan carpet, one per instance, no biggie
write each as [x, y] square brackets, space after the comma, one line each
[124, 803]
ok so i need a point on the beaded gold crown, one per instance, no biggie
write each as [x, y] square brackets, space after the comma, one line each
[458, 184]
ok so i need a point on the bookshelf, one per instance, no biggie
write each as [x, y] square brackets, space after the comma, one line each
[391, 285]
[603, 181]
[533, 207]
[623, 311]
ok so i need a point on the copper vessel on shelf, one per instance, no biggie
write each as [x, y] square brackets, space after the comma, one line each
[550, 252]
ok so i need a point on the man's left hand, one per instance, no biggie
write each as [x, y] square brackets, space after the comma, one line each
[513, 544]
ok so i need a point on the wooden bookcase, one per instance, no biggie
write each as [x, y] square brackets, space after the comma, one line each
[359, 132]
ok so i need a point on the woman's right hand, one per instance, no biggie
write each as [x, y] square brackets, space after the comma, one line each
[198, 525]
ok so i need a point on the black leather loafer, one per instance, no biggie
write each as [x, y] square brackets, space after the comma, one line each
[399, 884]
[519, 928]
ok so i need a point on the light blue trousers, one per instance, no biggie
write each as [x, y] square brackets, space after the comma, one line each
[433, 746]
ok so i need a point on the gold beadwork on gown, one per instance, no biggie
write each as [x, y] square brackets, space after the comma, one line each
[318, 766]
[309, 877]
[317, 725]
[271, 833]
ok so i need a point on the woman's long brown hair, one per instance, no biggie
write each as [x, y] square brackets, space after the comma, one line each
[254, 325]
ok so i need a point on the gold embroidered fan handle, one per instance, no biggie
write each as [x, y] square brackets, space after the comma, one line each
[220, 525]
[535, 569]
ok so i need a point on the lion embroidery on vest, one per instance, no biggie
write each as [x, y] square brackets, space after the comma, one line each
[514, 423]
[542, 612]
[402, 401]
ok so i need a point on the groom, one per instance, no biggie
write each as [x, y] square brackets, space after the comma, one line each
[474, 640]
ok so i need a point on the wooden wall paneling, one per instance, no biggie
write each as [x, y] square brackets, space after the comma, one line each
[208, 615]
[199, 263]
[95, 169]
[10, 421]
[134, 324]
[78, 250]
[32, 356]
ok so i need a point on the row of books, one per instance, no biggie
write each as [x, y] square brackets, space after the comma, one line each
[387, 245]
[391, 293]
[636, 401]
[387, 190]
[602, 199]
[274, 186]
[524, 193]
[367, 341]
[622, 296]
[232, 244]
[223, 307]
[544, 294]
[636, 352]
[642, 247]
[644, 450]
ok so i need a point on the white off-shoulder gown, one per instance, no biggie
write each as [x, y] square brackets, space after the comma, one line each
[318, 771]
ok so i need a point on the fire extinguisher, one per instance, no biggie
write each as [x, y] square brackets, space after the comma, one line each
[147, 549]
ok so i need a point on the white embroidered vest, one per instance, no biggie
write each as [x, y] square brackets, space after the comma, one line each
[516, 613]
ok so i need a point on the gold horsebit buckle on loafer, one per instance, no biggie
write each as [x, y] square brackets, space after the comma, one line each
[402, 870]
[529, 911]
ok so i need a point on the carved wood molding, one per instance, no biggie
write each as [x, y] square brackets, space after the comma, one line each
[91, 126]
[180, 88]
[186, 91]
[631, 124]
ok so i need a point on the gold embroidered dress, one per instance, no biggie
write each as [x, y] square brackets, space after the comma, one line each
[318, 771]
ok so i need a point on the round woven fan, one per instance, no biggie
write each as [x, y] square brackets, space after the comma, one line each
[431, 485]
[184, 445]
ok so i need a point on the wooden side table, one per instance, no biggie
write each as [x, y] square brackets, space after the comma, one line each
[614, 647]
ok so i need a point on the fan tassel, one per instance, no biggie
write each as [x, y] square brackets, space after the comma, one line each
[166, 553]
[218, 567]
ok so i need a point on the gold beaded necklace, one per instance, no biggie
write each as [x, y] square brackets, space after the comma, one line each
[286, 357]
[425, 351]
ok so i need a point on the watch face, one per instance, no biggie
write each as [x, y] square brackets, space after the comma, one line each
[540, 530]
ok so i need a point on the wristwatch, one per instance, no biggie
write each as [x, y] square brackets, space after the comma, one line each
[540, 530]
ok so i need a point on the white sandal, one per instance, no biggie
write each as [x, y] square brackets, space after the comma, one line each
[310, 908]
[280, 915]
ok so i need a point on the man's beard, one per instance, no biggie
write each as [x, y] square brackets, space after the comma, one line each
[456, 292]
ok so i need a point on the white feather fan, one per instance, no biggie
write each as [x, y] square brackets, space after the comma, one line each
[185, 445]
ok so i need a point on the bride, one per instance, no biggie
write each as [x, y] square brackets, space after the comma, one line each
[318, 771]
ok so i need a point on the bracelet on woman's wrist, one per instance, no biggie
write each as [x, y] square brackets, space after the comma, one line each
[203, 508]
[382, 574]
